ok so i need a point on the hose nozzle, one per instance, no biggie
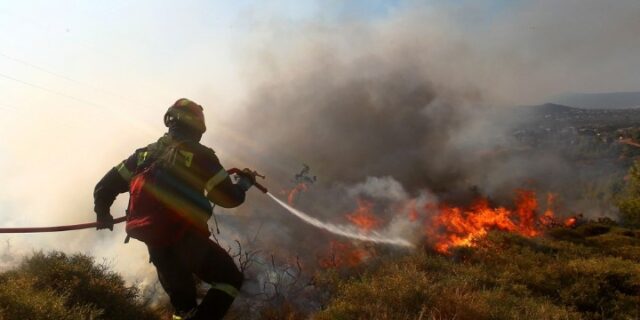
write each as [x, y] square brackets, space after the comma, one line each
[252, 174]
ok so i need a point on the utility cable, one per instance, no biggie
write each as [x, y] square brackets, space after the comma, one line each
[51, 91]
[61, 76]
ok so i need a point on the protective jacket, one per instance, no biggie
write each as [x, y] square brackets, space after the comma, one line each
[201, 178]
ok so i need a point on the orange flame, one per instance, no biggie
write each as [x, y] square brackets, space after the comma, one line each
[343, 254]
[363, 216]
[569, 223]
[454, 226]
[447, 226]
[413, 211]
[293, 193]
[548, 218]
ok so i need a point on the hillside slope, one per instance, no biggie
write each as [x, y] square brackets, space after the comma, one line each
[592, 272]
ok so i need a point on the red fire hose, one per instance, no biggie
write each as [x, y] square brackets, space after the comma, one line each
[57, 228]
[93, 224]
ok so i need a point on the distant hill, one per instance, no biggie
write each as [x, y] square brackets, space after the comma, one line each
[552, 109]
[612, 100]
[558, 116]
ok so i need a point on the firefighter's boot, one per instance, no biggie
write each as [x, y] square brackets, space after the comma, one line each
[215, 304]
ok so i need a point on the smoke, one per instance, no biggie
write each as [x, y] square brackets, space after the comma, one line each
[407, 96]
[414, 105]
[49, 181]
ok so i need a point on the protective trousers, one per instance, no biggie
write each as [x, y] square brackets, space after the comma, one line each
[198, 255]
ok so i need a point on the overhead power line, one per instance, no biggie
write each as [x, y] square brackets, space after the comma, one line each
[61, 76]
[62, 94]
[81, 100]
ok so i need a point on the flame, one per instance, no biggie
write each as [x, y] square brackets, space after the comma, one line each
[446, 226]
[548, 218]
[570, 222]
[363, 216]
[343, 254]
[454, 226]
[412, 211]
[293, 193]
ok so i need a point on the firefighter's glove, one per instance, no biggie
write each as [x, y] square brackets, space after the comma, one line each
[246, 179]
[104, 219]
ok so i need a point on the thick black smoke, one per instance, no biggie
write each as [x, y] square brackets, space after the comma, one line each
[348, 126]
[413, 96]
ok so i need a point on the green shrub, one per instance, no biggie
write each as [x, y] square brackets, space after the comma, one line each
[60, 286]
[629, 212]
[628, 201]
[434, 287]
[19, 299]
[397, 291]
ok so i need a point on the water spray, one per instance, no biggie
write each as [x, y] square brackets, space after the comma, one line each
[341, 230]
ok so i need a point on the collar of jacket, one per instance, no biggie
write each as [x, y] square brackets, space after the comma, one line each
[184, 133]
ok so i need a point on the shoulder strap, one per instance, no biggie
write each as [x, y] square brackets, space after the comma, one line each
[163, 153]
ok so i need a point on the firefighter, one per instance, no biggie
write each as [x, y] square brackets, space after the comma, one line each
[181, 248]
